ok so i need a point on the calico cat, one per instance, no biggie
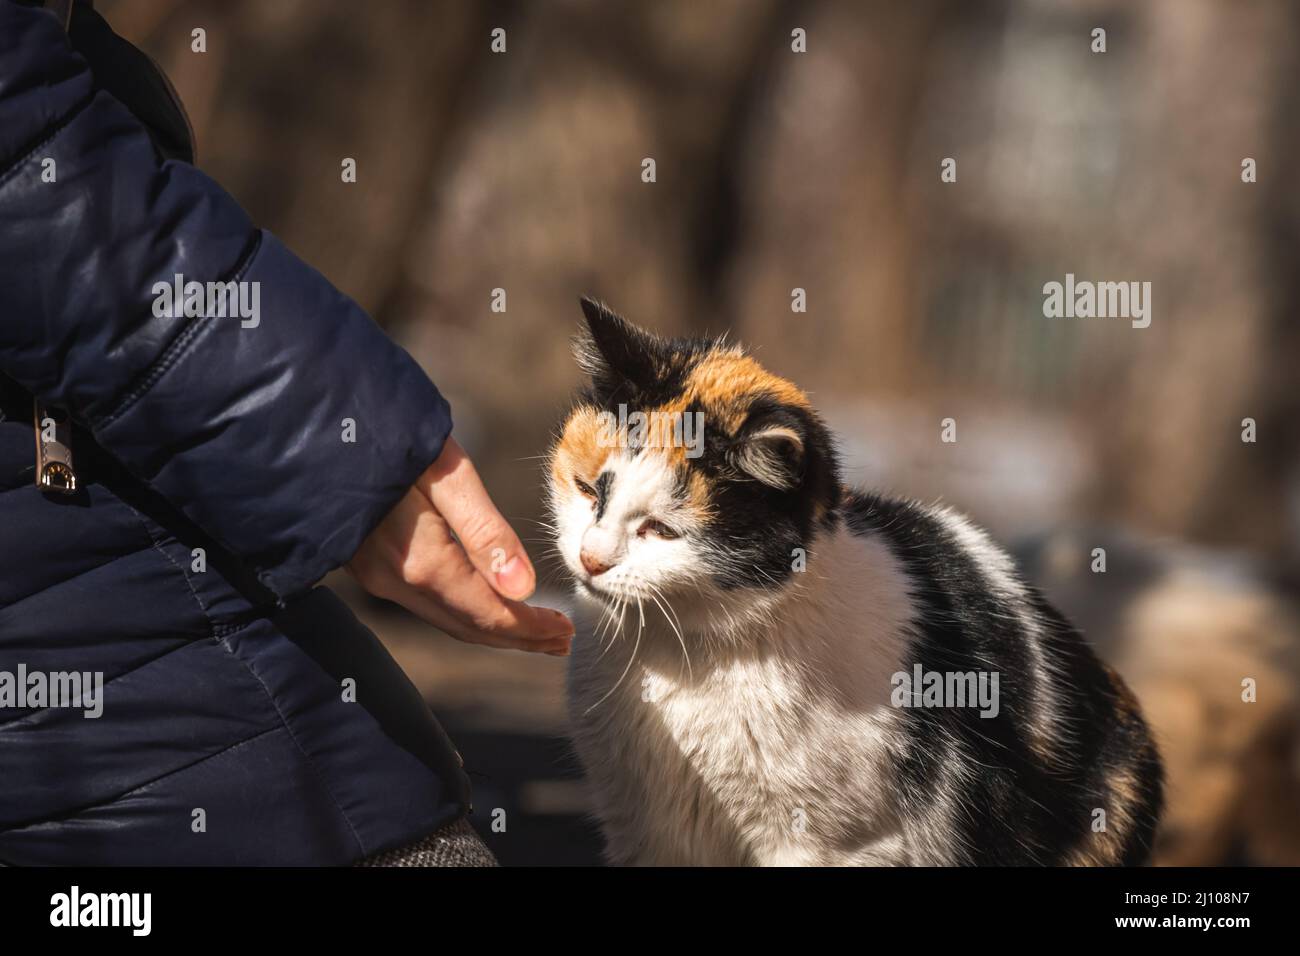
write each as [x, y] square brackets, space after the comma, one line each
[782, 670]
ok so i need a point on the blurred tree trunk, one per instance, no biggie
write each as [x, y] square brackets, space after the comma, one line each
[288, 89]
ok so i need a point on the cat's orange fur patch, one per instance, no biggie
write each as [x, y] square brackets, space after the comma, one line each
[725, 382]
[699, 497]
[1124, 792]
[579, 453]
[1106, 847]
[580, 450]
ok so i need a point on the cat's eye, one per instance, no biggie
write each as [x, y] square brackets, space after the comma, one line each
[657, 528]
[584, 488]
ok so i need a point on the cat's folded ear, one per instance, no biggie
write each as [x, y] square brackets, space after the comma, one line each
[771, 448]
[612, 349]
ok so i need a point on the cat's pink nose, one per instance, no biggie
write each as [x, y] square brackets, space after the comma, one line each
[593, 564]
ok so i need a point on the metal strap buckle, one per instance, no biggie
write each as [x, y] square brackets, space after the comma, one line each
[54, 471]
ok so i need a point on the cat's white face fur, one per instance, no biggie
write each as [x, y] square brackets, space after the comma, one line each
[712, 528]
[637, 541]
[636, 529]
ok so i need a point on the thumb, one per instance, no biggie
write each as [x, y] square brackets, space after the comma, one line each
[454, 488]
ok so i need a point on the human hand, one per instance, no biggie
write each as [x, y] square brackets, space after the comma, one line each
[472, 588]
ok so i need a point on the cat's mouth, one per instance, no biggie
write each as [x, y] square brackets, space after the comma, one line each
[607, 591]
[589, 587]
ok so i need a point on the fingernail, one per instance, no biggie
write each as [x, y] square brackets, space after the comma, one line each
[563, 653]
[514, 579]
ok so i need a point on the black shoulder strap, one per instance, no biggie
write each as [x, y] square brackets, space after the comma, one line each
[53, 430]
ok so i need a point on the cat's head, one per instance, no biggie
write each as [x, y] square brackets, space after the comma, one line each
[685, 469]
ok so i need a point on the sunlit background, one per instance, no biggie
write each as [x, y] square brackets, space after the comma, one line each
[821, 171]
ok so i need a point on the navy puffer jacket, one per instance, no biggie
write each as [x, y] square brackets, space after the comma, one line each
[226, 734]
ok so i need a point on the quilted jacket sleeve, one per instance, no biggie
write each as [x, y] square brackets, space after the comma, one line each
[243, 423]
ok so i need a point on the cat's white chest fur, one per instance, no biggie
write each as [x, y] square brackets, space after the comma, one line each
[772, 748]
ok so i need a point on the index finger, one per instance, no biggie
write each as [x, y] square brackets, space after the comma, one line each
[453, 486]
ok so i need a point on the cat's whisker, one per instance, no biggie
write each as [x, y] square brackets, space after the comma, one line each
[623, 613]
[654, 596]
[618, 630]
[630, 661]
[551, 531]
[552, 573]
[614, 625]
[670, 607]
[606, 619]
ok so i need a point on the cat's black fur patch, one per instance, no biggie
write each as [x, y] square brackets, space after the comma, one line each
[628, 365]
[604, 483]
[758, 527]
[1014, 807]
